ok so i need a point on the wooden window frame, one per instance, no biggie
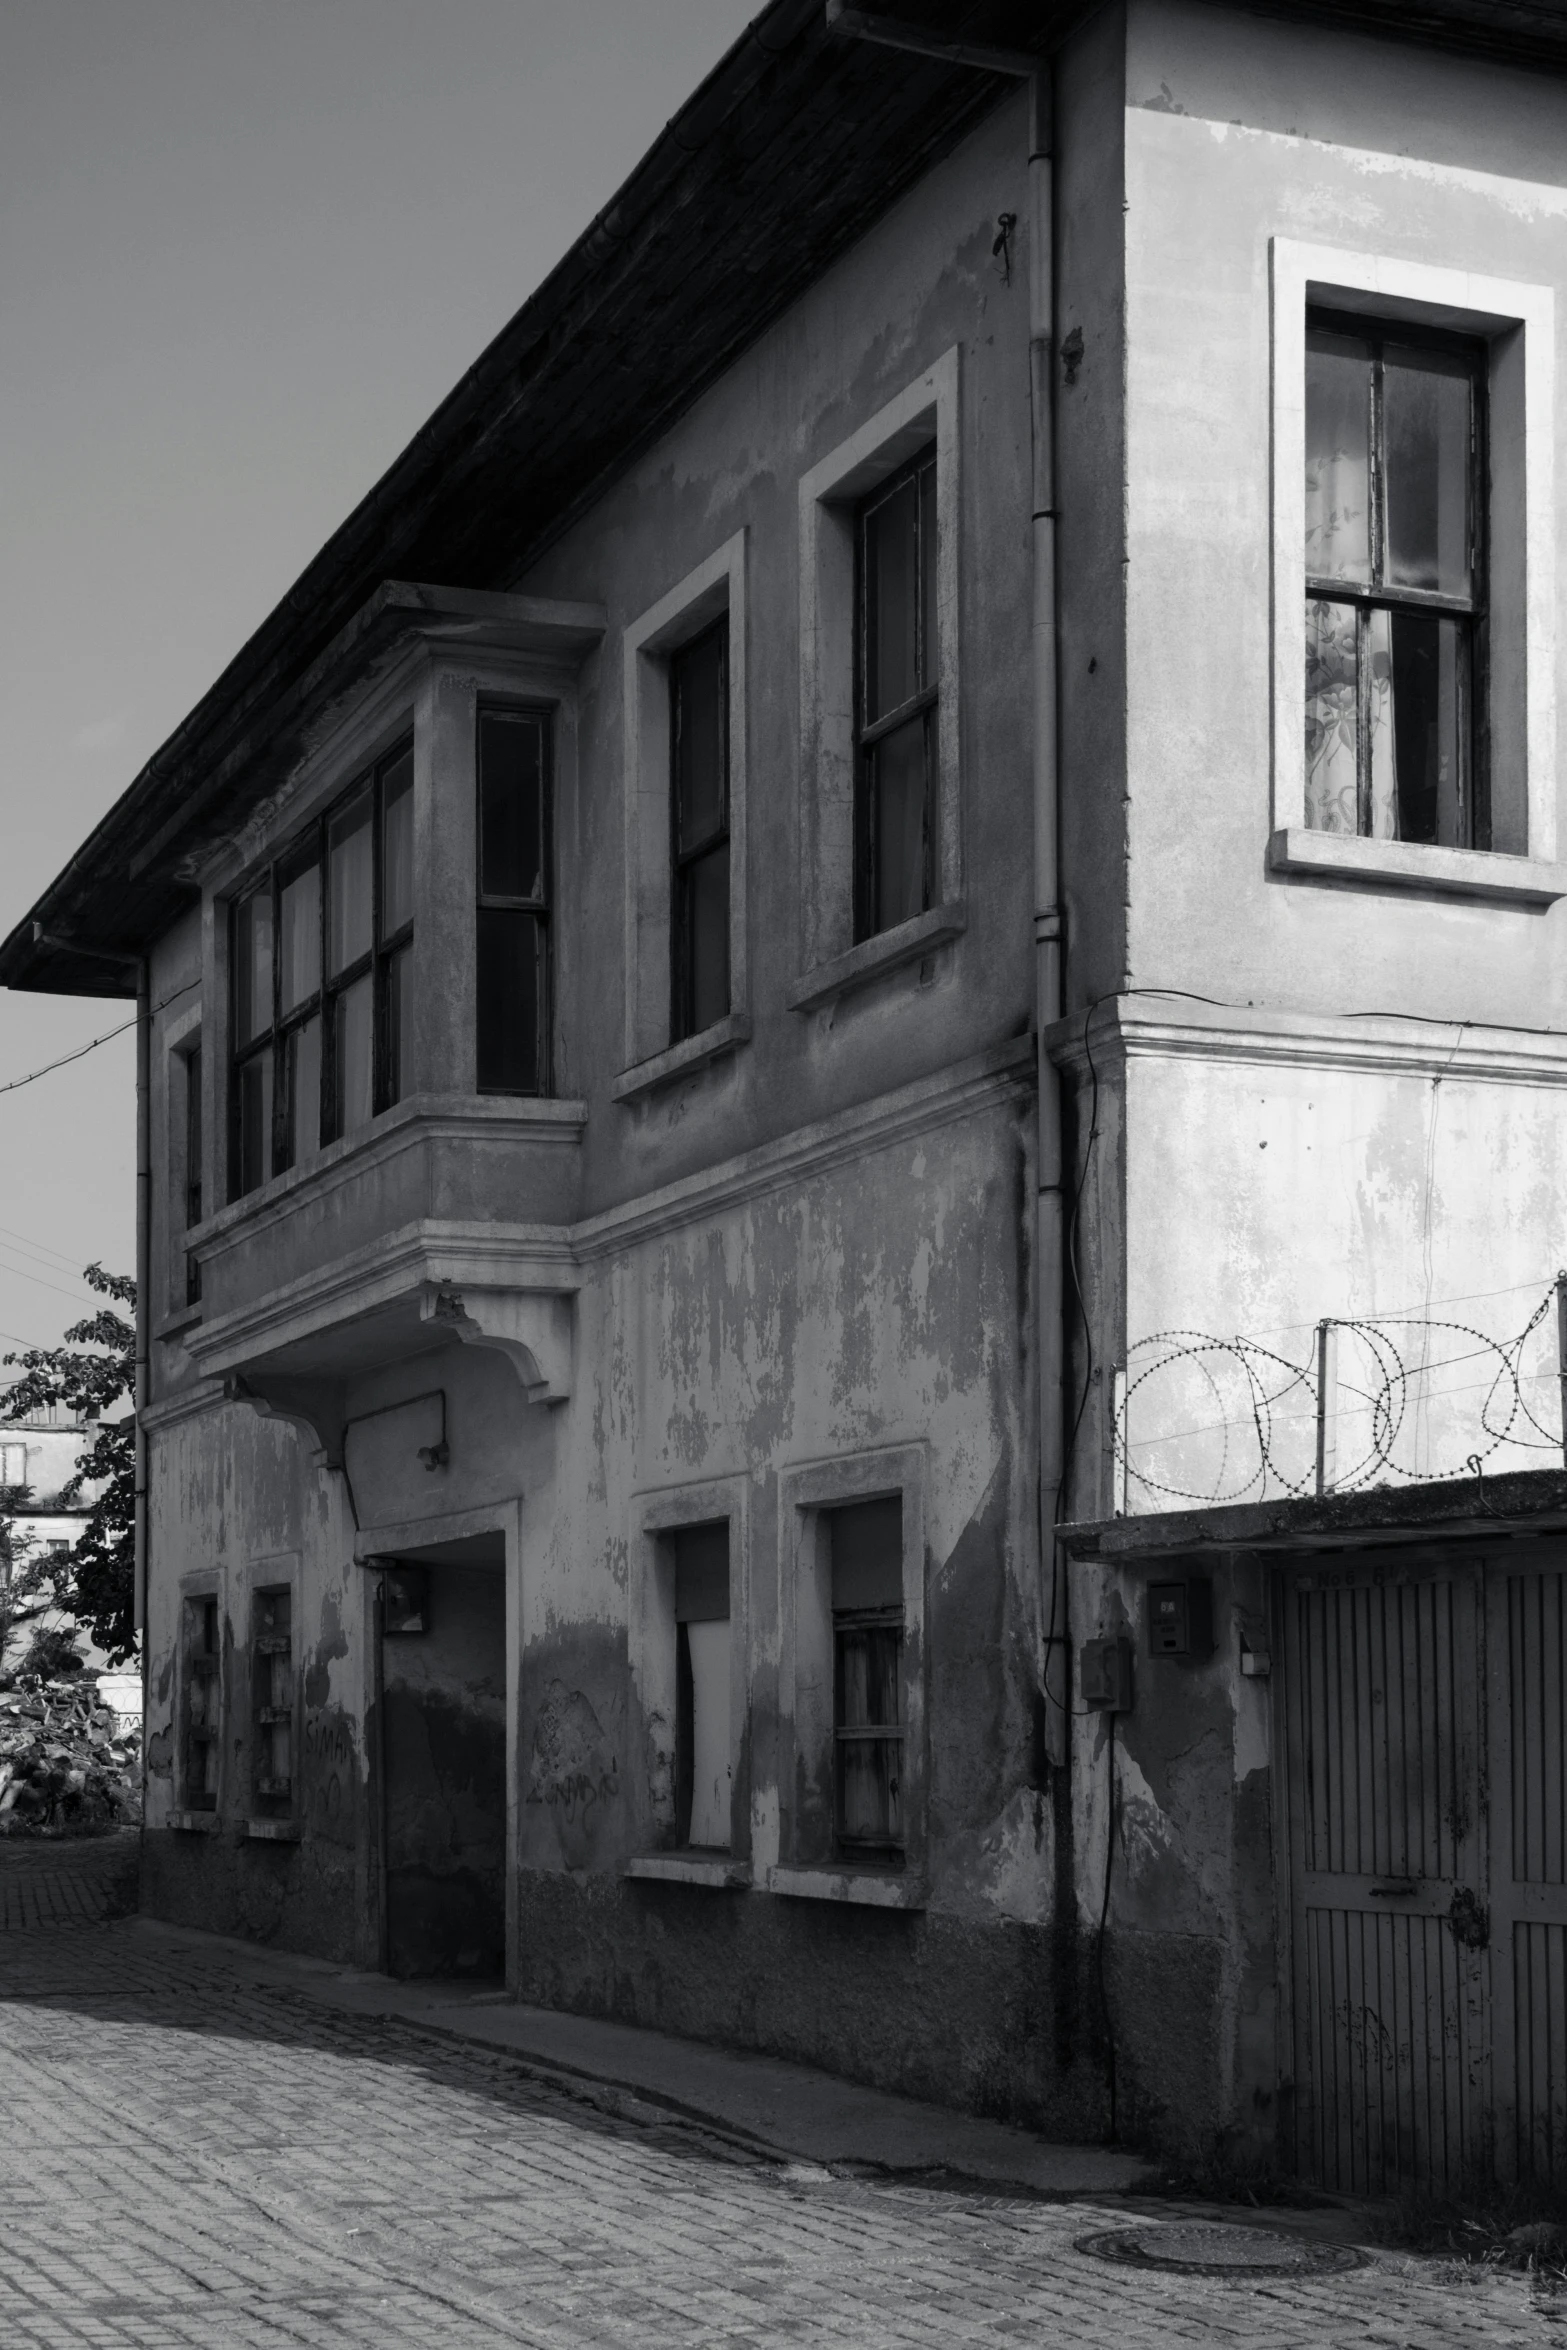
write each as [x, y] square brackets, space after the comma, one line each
[924, 703]
[191, 1171]
[683, 855]
[883, 1851]
[312, 846]
[201, 1663]
[1378, 595]
[274, 1796]
[540, 910]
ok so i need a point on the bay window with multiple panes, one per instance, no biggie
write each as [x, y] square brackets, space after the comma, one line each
[1395, 593]
[321, 959]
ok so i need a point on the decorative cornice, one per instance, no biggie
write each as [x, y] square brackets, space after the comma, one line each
[1151, 1025]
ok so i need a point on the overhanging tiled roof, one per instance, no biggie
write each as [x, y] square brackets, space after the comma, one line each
[794, 144]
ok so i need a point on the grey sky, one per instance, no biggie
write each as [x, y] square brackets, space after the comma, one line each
[245, 247]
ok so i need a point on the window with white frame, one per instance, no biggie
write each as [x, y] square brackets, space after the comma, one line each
[685, 824]
[687, 1616]
[852, 1534]
[1414, 581]
[881, 866]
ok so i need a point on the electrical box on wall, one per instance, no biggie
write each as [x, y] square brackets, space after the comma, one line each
[1180, 1619]
[1105, 1675]
[405, 1598]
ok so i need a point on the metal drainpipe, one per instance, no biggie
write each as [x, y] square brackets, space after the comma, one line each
[1049, 1269]
[143, 1288]
[1049, 1272]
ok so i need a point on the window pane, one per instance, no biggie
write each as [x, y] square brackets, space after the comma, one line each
[355, 1055]
[302, 1106]
[1428, 667]
[1338, 457]
[870, 1772]
[707, 1645]
[899, 834]
[349, 909]
[512, 779]
[929, 666]
[1425, 403]
[1332, 792]
[299, 957]
[193, 1150]
[253, 1142]
[511, 975]
[397, 845]
[867, 1554]
[891, 601]
[399, 1024]
[1383, 821]
[701, 730]
[253, 966]
[869, 1677]
[702, 1572]
[705, 892]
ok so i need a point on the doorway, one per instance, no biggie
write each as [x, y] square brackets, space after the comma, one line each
[1425, 1801]
[443, 1759]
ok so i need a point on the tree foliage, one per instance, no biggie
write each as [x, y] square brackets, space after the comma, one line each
[92, 1371]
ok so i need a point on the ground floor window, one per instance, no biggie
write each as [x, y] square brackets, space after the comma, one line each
[867, 1615]
[702, 1767]
[203, 1678]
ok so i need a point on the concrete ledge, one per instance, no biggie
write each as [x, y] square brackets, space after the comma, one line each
[689, 1868]
[866, 1887]
[692, 1052]
[196, 1823]
[890, 950]
[1467, 873]
[273, 1831]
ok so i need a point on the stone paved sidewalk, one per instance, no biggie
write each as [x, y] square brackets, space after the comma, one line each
[198, 2161]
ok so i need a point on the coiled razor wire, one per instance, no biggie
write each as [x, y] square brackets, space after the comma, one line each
[1271, 1379]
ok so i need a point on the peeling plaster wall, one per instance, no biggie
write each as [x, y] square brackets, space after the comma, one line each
[1272, 1154]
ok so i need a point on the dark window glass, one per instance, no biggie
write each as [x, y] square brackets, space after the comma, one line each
[272, 1694]
[192, 1070]
[322, 974]
[867, 1604]
[699, 770]
[203, 1704]
[513, 937]
[896, 698]
[1395, 609]
[702, 1769]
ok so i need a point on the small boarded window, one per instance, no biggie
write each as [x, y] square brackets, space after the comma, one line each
[272, 1685]
[203, 1704]
[867, 1616]
[702, 1768]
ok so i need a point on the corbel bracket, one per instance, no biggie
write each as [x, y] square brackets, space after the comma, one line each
[531, 1328]
[317, 1407]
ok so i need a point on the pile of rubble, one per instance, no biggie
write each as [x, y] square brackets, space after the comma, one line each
[66, 1766]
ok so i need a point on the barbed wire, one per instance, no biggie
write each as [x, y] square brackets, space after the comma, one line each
[1270, 1379]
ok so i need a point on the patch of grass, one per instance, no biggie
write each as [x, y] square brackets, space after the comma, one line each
[1518, 2227]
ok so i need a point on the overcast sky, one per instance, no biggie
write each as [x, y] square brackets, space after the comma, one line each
[245, 248]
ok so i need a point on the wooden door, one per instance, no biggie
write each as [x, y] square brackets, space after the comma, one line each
[1386, 1832]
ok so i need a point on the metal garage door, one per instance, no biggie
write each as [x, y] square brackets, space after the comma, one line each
[1426, 1823]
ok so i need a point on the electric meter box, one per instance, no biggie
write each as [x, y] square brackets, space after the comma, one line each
[1104, 1669]
[1180, 1620]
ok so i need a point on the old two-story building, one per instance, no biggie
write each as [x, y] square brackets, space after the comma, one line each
[805, 1014]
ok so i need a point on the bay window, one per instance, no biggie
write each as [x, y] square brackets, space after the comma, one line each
[515, 757]
[322, 963]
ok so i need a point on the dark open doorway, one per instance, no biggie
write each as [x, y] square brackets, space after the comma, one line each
[443, 1749]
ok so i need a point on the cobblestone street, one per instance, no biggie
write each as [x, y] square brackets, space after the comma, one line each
[193, 2158]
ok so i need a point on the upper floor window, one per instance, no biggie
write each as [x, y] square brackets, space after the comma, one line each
[1395, 572]
[896, 697]
[322, 968]
[699, 825]
[515, 978]
[190, 1062]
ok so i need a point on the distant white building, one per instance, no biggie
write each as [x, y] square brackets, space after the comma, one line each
[38, 1458]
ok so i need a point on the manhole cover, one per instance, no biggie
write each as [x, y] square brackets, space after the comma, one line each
[1210, 2248]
